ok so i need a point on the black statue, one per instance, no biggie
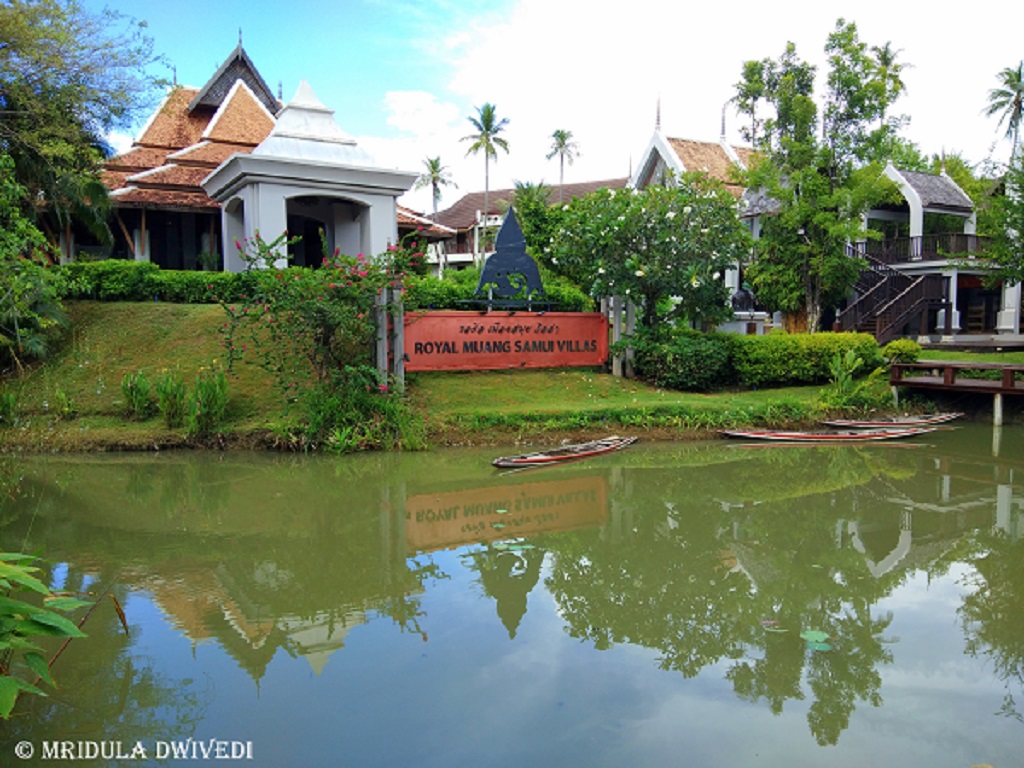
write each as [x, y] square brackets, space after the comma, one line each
[510, 270]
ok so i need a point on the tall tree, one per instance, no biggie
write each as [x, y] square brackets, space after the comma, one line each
[1007, 101]
[562, 144]
[435, 175]
[68, 76]
[820, 186]
[888, 74]
[487, 139]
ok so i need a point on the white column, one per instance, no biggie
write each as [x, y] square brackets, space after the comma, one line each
[1009, 315]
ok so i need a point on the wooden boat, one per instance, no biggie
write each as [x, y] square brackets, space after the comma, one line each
[565, 453]
[894, 422]
[835, 436]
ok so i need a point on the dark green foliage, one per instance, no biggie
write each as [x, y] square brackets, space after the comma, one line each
[791, 359]
[456, 288]
[689, 361]
[138, 395]
[119, 280]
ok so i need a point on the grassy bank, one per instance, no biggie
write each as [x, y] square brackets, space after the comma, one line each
[74, 402]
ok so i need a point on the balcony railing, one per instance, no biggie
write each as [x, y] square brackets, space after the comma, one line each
[901, 250]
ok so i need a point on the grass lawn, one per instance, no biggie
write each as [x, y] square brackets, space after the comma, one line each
[109, 340]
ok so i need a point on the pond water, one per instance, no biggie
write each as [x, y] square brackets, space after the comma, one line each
[707, 603]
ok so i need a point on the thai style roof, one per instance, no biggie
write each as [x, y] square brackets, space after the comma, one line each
[190, 134]
[306, 131]
[462, 215]
[717, 159]
[237, 66]
[938, 191]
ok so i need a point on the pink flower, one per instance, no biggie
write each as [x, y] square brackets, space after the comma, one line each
[382, 387]
[238, 245]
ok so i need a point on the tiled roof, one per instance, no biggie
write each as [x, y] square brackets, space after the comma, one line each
[462, 215]
[208, 153]
[183, 142]
[938, 191]
[241, 119]
[172, 125]
[409, 220]
[711, 158]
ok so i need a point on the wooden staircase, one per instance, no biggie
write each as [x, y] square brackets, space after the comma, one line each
[888, 299]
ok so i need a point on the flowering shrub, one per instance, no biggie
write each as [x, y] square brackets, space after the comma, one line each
[313, 330]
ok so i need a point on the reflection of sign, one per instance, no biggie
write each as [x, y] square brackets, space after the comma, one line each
[438, 341]
[439, 520]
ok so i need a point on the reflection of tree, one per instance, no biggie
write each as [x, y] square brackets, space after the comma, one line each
[991, 612]
[742, 587]
[114, 696]
[508, 573]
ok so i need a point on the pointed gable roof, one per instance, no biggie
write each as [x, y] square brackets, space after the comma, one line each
[715, 158]
[241, 118]
[237, 66]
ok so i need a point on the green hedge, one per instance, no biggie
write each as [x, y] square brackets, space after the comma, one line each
[455, 288]
[687, 361]
[119, 280]
[780, 359]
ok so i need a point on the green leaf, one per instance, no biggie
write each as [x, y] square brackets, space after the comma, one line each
[18, 575]
[64, 627]
[38, 665]
[66, 603]
[10, 607]
[10, 687]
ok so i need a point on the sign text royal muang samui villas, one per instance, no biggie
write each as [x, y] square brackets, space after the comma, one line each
[438, 341]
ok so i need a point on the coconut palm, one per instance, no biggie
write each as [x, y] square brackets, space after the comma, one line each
[1008, 102]
[563, 145]
[887, 74]
[486, 139]
[435, 176]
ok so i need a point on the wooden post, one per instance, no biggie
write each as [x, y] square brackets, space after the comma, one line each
[381, 317]
[398, 338]
[616, 318]
[630, 330]
[997, 409]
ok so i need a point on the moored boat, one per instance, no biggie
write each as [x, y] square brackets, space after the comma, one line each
[894, 422]
[835, 436]
[565, 453]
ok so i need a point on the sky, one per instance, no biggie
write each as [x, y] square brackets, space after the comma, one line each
[403, 76]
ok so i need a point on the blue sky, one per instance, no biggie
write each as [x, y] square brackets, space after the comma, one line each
[404, 75]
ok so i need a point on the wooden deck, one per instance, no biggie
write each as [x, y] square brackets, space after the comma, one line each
[960, 377]
[957, 377]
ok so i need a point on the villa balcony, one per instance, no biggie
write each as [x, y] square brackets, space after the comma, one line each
[902, 250]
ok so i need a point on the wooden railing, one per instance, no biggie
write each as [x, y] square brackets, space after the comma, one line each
[920, 298]
[878, 285]
[922, 248]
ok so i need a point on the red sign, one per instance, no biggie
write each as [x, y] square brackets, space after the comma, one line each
[455, 518]
[455, 341]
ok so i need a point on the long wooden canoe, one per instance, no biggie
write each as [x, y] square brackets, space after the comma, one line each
[894, 422]
[565, 453]
[837, 436]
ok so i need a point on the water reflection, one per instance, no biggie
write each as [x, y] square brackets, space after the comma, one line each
[764, 566]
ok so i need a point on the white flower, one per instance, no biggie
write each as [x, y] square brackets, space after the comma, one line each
[600, 270]
[717, 275]
[705, 231]
[639, 273]
[565, 207]
[687, 209]
[695, 281]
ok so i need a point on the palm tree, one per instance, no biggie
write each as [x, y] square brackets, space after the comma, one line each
[435, 176]
[887, 74]
[486, 139]
[1008, 102]
[566, 149]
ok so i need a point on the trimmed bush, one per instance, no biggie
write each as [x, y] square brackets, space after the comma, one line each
[901, 351]
[687, 361]
[781, 359]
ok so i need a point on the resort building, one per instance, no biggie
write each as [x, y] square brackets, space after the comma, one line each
[919, 281]
[217, 164]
